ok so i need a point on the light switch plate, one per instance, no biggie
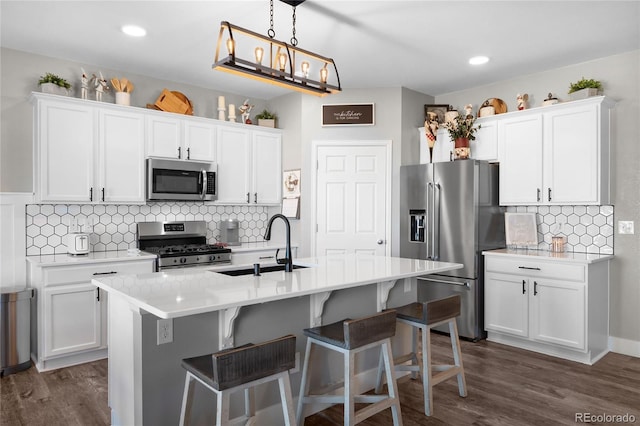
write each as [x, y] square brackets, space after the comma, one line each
[625, 227]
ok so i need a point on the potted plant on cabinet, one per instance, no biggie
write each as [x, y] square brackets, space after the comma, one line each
[461, 130]
[266, 119]
[51, 83]
[584, 88]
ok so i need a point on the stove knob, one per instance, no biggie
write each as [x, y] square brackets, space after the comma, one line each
[183, 260]
[212, 258]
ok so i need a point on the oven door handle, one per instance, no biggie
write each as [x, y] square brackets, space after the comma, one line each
[204, 183]
[464, 284]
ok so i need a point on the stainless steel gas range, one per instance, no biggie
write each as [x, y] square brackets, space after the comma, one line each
[180, 244]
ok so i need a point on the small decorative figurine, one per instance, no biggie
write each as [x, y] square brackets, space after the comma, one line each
[245, 110]
[522, 101]
[84, 88]
[100, 85]
[468, 108]
[431, 129]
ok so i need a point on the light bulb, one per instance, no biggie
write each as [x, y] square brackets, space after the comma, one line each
[259, 51]
[324, 72]
[305, 68]
[282, 59]
[230, 46]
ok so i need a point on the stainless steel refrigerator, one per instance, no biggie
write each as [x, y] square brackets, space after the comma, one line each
[450, 212]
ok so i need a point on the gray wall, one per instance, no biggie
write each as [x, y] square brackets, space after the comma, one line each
[620, 76]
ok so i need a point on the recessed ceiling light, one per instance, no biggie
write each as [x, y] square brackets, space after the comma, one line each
[134, 30]
[478, 60]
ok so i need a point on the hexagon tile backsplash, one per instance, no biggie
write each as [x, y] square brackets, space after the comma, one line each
[113, 227]
[588, 229]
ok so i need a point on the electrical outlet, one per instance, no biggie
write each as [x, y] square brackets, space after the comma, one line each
[165, 331]
[625, 227]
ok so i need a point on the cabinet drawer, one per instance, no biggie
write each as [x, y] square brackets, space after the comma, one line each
[535, 268]
[85, 273]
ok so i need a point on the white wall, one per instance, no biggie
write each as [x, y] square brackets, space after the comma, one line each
[12, 239]
[620, 76]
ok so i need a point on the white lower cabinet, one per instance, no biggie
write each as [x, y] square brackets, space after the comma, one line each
[69, 323]
[550, 306]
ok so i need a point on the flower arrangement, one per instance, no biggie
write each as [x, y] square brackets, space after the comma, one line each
[52, 78]
[462, 127]
[266, 115]
[584, 84]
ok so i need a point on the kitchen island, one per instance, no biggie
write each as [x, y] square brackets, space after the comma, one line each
[208, 311]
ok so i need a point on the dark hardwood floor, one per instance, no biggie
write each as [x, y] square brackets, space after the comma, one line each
[506, 386]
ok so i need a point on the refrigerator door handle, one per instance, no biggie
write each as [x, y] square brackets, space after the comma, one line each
[464, 284]
[429, 236]
[436, 221]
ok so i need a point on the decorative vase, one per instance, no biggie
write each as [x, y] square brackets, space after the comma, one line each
[267, 122]
[462, 149]
[54, 89]
[583, 93]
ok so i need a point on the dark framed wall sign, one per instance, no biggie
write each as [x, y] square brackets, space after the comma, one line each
[348, 115]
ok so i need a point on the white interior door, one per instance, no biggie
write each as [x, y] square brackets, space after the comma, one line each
[352, 198]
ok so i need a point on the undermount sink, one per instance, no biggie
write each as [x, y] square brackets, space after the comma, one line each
[249, 271]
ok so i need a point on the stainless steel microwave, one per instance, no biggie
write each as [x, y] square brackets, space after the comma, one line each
[181, 180]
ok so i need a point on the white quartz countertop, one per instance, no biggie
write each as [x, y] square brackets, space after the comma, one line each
[183, 292]
[93, 257]
[584, 258]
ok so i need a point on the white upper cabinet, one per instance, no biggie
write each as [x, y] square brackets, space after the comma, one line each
[87, 153]
[249, 166]
[181, 138]
[121, 153]
[520, 159]
[63, 151]
[485, 145]
[556, 155]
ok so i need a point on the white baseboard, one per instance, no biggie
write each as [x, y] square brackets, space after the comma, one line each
[624, 346]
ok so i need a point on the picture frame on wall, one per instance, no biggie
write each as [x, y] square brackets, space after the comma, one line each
[439, 110]
[521, 229]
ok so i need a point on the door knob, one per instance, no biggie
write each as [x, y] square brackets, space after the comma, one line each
[380, 241]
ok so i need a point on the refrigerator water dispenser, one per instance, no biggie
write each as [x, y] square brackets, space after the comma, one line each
[417, 220]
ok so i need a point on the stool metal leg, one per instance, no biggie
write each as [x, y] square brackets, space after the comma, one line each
[249, 403]
[187, 400]
[222, 411]
[304, 385]
[426, 370]
[381, 366]
[387, 357]
[287, 399]
[349, 391]
[457, 357]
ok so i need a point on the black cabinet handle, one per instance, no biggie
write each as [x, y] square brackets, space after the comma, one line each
[105, 273]
[98, 294]
[248, 199]
[535, 288]
[188, 153]
[527, 267]
[179, 152]
[103, 194]
[524, 290]
[90, 194]
[255, 197]
[538, 194]
[549, 193]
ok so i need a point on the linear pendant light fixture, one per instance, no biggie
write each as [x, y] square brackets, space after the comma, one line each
[263, 58]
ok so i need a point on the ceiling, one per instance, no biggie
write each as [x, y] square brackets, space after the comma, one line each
[420, 45]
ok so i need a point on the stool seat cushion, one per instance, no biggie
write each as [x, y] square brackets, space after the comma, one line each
[351, 334]
[430, 312]
[232, 367]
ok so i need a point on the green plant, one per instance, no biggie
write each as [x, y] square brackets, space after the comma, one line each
[584, 84]
[462, 127]
[266, 115]
[52, 78]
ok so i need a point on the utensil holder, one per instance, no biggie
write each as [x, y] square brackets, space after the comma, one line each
[123, 98]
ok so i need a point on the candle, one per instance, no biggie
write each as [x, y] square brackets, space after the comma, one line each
[232, 110]
[220, 101]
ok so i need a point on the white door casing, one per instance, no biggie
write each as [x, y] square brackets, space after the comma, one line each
[351, 193]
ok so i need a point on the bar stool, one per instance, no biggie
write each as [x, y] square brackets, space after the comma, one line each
[350, 337]
[242, 368]
[425, 316]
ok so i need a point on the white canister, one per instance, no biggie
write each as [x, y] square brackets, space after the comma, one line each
[487, 111]
[123, 98]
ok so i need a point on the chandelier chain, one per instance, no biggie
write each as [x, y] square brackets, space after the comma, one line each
[271, 33]
[294, 40]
